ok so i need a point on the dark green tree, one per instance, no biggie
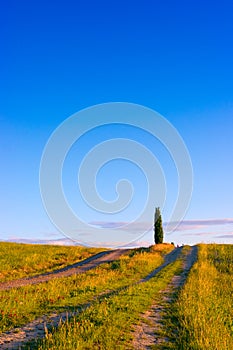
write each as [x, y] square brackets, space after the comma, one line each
[158, 227]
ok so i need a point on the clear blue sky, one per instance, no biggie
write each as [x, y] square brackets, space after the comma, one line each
[58, 57]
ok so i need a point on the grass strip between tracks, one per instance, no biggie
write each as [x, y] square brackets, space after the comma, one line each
[107, 323]
[22, 305]
[201, 318]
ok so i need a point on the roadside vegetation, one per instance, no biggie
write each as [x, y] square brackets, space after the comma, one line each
[108, 322]
[109, 299]
[202, 316]
[21, 305]
[24, 260]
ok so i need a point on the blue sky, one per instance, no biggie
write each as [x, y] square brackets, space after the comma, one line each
[172, 56]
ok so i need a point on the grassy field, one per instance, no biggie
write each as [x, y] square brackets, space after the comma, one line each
[21, 260]
[202, 315]
[198, 317]
[21, 305]
[108, 323]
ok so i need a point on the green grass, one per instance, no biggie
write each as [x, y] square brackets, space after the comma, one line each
[108, 323]
[23, 260]
[19, 306]
[202, 315]
[199, 316]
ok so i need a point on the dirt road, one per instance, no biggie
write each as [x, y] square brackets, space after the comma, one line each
[148, 332]
[145, 333]
[70, 270]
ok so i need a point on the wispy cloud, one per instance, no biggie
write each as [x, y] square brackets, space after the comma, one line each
[185, 234]
[228, 236]
[123, 225]
[137, 234]
[108, 224]
[61, 241]
[183, 226]
[204, 230]
[210, 233]
[198, 224]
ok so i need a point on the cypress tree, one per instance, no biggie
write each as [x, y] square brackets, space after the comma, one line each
[158, 227]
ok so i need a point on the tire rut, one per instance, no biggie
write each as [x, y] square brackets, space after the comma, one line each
[148, 332]
[169, 258]
[80, 267]
[37, 329]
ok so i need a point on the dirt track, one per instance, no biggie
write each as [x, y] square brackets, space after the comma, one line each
[144, 334]
[70, 270]
[147, 333]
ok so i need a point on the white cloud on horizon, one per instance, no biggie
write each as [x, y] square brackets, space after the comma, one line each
[214, 229]
[123, 225]
[60, 241]
[197, 224]
[69, 242]
[209, 233]
[227, 236]
[183, 226]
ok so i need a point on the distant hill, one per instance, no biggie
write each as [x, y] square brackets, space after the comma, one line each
[60, 241]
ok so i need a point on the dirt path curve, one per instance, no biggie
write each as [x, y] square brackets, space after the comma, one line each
[147, 333]
[168, 259]
[69, 270]
[17, 338]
